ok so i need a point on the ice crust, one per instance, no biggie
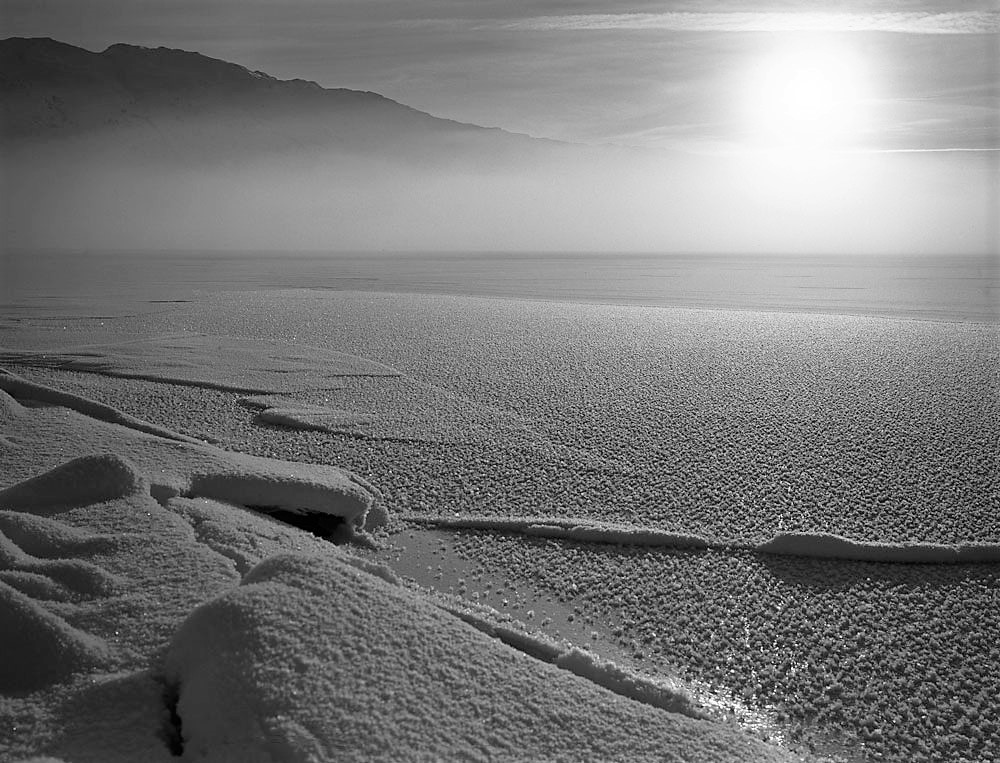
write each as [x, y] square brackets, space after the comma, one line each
[827, 546]
[815, 545]
[11, 384]
[165, 464]
[252, 366]
[568, 529]
[400, 409]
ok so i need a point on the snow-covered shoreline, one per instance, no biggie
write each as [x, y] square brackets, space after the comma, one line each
[215, 632]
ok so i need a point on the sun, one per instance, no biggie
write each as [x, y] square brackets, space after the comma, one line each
[806, 96]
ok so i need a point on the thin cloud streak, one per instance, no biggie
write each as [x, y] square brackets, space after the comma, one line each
[925, 151]
[983, 22]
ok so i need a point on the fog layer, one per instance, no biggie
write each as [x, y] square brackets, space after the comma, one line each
[135, 148]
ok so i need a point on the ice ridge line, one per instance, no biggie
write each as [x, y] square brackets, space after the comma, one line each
[816, 545]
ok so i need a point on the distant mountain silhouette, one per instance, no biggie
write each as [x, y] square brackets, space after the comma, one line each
[200, 107]
[161, 149]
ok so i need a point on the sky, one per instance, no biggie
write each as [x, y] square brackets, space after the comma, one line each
[663, 74]
[786, 88]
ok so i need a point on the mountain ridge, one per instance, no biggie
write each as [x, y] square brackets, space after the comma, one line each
[52, 89]
[159, 148]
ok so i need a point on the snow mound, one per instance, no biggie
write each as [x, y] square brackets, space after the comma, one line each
[9, 408]
[69, 578]
[245, 537]
[82, 481]
[373, 568]
[310, 659]
[293, 487]
[42, 537]
[168, 465]
[288, 413]
[320, 419]
[214, 362]
[37, 558]
[39, 647]
[827, 546]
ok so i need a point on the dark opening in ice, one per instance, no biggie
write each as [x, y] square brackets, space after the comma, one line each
[326, 526]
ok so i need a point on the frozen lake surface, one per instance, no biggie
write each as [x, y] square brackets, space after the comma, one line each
[858, 397]
[947, 287]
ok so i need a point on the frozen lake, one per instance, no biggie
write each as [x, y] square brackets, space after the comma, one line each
[837, 395]
[951, 288]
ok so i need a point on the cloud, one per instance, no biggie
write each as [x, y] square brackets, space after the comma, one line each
[931, 151]
[969, 22]
[535, 66]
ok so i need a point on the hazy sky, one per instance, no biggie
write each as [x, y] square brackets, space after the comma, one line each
[664, 73]
[783, 86]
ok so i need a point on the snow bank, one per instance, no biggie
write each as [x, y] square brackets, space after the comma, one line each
[42, 537]
[313, 417]
[628, 684]
[82, 481]
[288, 413]
[294, 487]
[40, 647]
[66, 578]
[827, 546]
[311, 660]
[166, 465]
[225, 363]
[9, 407]
[89, 594]
[660, 694]
[18, 387]
[244, 537]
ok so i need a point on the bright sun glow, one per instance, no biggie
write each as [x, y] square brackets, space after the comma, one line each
[807, 97]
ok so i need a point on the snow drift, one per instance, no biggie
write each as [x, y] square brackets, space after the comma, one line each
[815, 545]
[310, 659]
[289, 413]
[168, 463]
[251, 366]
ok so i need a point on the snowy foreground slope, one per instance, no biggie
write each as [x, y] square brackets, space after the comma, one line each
[146, 614]
[786, 520]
